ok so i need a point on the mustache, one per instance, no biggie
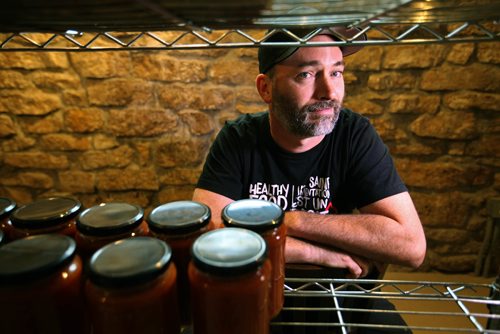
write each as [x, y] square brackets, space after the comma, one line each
[329, 104]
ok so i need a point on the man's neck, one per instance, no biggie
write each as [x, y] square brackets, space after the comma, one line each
[290, 142]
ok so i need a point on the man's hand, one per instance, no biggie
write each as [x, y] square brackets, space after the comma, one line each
[300, 251]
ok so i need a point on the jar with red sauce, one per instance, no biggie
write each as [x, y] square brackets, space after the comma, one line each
[265, 218]
[7, 206]
[102, 224]
[41, 286]
[131, 288]
[179, 224]
[229, 275]
[47, 215]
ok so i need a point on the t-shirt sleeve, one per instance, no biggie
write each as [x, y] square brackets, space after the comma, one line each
[223, 166]
[372, 173]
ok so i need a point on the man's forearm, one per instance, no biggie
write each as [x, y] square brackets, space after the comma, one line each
[376, 234]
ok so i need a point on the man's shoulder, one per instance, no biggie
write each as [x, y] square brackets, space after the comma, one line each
[347, 116]
[247, 124]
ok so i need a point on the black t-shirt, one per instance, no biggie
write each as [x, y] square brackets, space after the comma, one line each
[349, 169]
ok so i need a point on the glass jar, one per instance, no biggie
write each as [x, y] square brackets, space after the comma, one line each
[179, 224]
[131, 288]
[229, 277]
[265, 218]
[102, 224]
[47, 215]
[6, 207]
[41, 286]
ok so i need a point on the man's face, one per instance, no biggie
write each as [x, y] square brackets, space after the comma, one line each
[308, 89]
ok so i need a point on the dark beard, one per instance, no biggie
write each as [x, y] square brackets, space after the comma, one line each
[303, 122]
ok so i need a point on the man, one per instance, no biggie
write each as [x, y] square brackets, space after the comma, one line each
[319, 162]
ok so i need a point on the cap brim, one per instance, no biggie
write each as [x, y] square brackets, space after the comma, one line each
[270, 56]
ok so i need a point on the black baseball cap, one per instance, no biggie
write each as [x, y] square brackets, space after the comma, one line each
[270, 55]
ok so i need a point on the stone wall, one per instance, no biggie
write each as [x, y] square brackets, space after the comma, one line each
[136, 126]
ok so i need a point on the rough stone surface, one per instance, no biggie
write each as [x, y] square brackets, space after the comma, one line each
[472, 77]
[119, 157]
[84, 119]
[29, 102]
[445, 125]
[127, 179]
[141, 122]
[38, 159]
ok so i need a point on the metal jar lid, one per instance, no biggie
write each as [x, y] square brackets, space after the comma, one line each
[109, 218]
[229, 251]
[6, 207]
[45, 212]
[179, 217]
[254, 214]
[129, 262]
[34, 257]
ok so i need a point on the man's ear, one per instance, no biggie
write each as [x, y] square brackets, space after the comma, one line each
[264, 87]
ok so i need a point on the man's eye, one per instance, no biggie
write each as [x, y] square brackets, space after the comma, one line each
[337, 74]
[304, 75]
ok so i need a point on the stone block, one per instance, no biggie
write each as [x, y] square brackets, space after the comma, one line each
[487, 146]
[76, 181]
[473, 77]
[34, 60]
[489, 52]
[51, 123]
[181, 152]
[84, 119]
[127, 179]
[7, 127]
[104, 142]
[445, 125]
[442, 175]
[443, 209]
[199, 122]
[35, 180]
[120, 92]
[180, 176]
[233, 71]
[64, 142]
[467, 100]
[178, 97]
[368, 59]
[101, 64]
[55, 81]
[29, 102]
[141, 122]
[414, 104]
[17, 143]
[14, 80]
[460, 53]
[413, 56]
[391, 80]
[162, 67]
[115, 158]
[39, 160]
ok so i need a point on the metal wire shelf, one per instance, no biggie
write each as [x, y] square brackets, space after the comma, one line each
[90, 25]
[427, 307]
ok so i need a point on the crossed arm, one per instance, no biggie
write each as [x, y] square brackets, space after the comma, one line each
[387, 231]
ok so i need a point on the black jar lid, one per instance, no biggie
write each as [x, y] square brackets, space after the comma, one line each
[254, 214]
[179, 217]
[34, 257]
[229, 251]
[109, 218]
[6, 207]
[45, 212]
[129, 262]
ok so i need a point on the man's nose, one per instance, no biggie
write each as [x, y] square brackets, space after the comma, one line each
[328, 88]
